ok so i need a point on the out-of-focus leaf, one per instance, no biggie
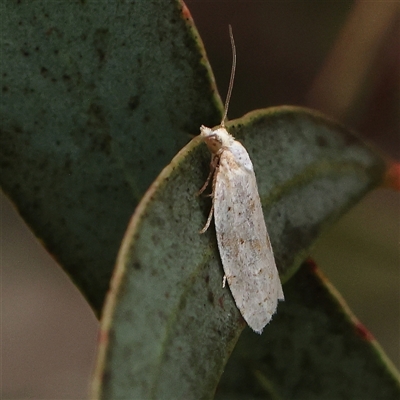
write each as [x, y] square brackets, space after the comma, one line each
[97, 97]
[169, 326]
[314, 349]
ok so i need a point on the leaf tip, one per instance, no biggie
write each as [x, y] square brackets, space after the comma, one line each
[312, 265]
[392, 176]
[363, 332]
[185, 12]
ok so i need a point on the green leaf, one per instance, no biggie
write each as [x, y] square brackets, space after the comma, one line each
[169, 326]
[97, 97]
[314, 349]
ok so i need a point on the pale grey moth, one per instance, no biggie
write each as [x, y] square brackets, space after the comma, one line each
[243, 241]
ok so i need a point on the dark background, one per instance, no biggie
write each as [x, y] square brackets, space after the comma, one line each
[340, 57]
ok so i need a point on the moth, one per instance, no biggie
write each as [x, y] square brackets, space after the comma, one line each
[243, 242]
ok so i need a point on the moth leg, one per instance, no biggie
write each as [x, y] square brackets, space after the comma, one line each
[213, 172]
[223, 282]
[213, 166]
[204, 187]
[208, 219]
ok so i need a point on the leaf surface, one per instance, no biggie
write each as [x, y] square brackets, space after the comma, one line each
[314, 349]
[97, 97]
[169, 326]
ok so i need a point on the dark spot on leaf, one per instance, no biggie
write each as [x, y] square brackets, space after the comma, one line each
[37, 48]
[133, 102]
[221, 302]
[66, 77]
[207, 278]
[160, 152]
[101, 54]
[17, 129]
[210, 297]
[100, 41]
[5, 89]
[25, 53]
[137, 266]
[44, 72]
[182, 304]
[95, 109]
[27, 90]
[98, 126]
[104, 145]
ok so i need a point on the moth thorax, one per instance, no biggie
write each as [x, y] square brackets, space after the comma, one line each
[215, 139]
[226, 138]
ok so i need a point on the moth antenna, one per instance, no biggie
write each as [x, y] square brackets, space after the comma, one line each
[228, 95]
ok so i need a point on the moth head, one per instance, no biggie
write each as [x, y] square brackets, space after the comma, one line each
[217, 138]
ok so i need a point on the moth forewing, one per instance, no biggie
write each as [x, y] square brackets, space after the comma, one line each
[243, 242]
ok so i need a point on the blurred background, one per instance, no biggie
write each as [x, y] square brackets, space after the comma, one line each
[342, 58]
